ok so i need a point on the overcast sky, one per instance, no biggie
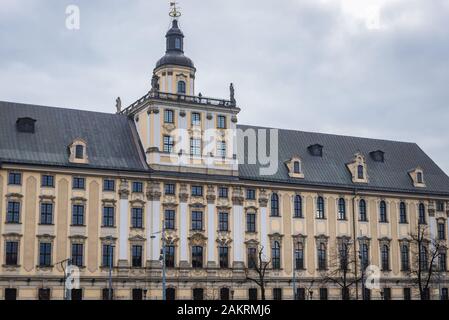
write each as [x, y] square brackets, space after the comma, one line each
[370, 68]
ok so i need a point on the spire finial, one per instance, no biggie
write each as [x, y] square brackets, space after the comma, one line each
[174, 11]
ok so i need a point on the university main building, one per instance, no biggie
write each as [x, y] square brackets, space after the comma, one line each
[103, 194]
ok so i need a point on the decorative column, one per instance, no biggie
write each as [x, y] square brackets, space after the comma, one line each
[211, 227]
[154, 199]
[238, 229]
[263, 202]
[123, 224]
[183, 212]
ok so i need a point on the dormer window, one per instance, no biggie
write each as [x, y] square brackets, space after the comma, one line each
[182, 87]
[316, 150]
[378, 156]
[358, 169]
[294, 166]
[417, 176]
[25, 125]
[78, 151]
[360, 172]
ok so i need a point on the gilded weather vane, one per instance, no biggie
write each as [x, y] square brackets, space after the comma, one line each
[174, 12]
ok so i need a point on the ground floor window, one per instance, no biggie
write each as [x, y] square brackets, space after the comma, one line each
[277, 293]
[10, 294]
[224, 294]
[106, 294]
[407, 294]
[387, 294]
[44, 294]
[444, 294]
[137, 294]
[170, 294]
[366, 294]
[77, 294]
[252, 294]
[323, 294]
[300, 294]
[198, 294]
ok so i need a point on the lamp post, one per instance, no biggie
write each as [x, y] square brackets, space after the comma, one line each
[362, 270]
[295, 251]
[111, 262]
[162, 257]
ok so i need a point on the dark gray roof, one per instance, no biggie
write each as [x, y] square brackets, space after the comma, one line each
[331, 170]
[112, 140]
[175, 58]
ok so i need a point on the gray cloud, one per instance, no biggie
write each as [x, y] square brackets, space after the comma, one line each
[300, 64]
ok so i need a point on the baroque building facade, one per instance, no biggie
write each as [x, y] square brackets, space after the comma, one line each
[93, 190]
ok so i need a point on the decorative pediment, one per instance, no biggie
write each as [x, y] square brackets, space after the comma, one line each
[12, 236]
[171, 238]
[252, 243]
[321, 239]
[276, 236]
[358, 169]
[251, 209]
[197, 239]
[224, 240]
[137, 203]
[417, 176]
[294, 166]
[299, 238]
[137, 238]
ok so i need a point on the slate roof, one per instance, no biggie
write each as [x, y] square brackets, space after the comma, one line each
[112, 140]
[331, 170]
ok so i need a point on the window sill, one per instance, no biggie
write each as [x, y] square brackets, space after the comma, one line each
[109, 227]
[275, 216]
[13, 223]
[78, 225]
[384, 222]
[46, 224]
[298, 217]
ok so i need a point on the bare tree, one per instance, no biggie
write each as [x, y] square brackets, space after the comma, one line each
[259, 266]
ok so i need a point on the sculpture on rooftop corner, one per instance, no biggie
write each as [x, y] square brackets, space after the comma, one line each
[232, 94]
[118, 104]
[155, 83]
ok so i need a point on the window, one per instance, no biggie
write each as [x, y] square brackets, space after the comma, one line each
[419, 177]
[223, 221]
[48, 181]
[252, 257]
[423, 257]
[10, 294]
[385, 256]
[198, 294]
[276, 255]
[44, 254]
[223, 192]
[366, 294]
[343, 255]
[221, 149]
[137, 218]
[136, 252]
[137, 187]
[297, 167]
[170, 256]
[360, 173]
[250, 194]
[277, 293]
[77, 294]
[299, 257]
[298, 207]
[224, 294]
[169, 189]
[300, 294]
[197, 191]
[274, 205]
[320, 208]
[362, 211]
[12, 253]
[108, 256]
[426, 294]
[322, 257]
[345, 293]
[442, 261]
[402, 213]
[197, 257]
[444, 294]
[15, 178]
[224, 256]
[252, 294]
[168, 116]
[108, 294]
[181, 87]
[195, 147]
[13, 214]
[108, 217]
[407, 294]
[170, 219]
[365, 255]
[383, 211]
[387, 293]
[323, 294]
[221, 122]
[79, 151]
[168, 144]
[251, 222]
[108, 185]
[170, 294]
[422, 214]
[178, 43]
[405, 258]
[77, 254]
[440, 206]
[137, 294]
[78, 183]
[78, 215]
[197, 220]
[196, 119]
[44, 294]
[441, 231]
[46, 213]
[341, 209]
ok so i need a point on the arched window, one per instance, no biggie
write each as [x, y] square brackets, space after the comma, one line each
[298, 206]
[422, 213]
[419, 177]
[341, 209]
[405, 258]
[297, 167]
[322, 256]
[299, 256]
[365, 255]
[274, 205]
[385, 254]
[360, 173]
[362, 210]
[276, 255]
[383, 211]
[402, 213]
[181, 87]
[344, 256]
[423, 257]
[320, 208]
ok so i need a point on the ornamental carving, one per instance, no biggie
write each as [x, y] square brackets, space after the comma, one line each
[183, 192]
[263, 198]
[154, 191]
[123, 190]
[197, 239]
[211, 194]
[237, 196]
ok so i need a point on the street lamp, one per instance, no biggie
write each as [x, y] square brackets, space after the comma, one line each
[111, 258]
[295, 251]
[162, 257]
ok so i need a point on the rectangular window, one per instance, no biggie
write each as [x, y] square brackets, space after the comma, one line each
[45, 254]
[170, 220]
[108, 256]
[170, 256]
[77, 294]
[13, 214]
[299, 257]
[366, 294]
[79, 151]
[277, 293]
[250, 194]
[15, 178]
[78, 215]
[224, 257]
[222, 192]
[108, 294]
[407, 294]
[48, 181]
[221, 122]
[77, 254]
[442, 261]
[197, 220]
[169, 189]
[196, 119]
[168, 144]
[12, 251]
[252, 258]
[137, 294]
[168, 116]
[44, 294]
[78, 183]
[251, 222]
[197, 257]
[301, 294]
[197, 191]
[323, 294]
[221, 149]
[441, 231]
[137, 218]
[223, 221]
[444, 294]
[137, 187]
[440, 205]
[136, 256]
[252, 294]
[108, 185]
[195, 147]
[46, 213]
[10, 294]
[387, 293]
[108, 217]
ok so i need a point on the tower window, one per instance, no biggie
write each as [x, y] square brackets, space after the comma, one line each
[221, 122]
[168, 116]
[181, 87]
[196, 119]
[79, 151]
[178, 43]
